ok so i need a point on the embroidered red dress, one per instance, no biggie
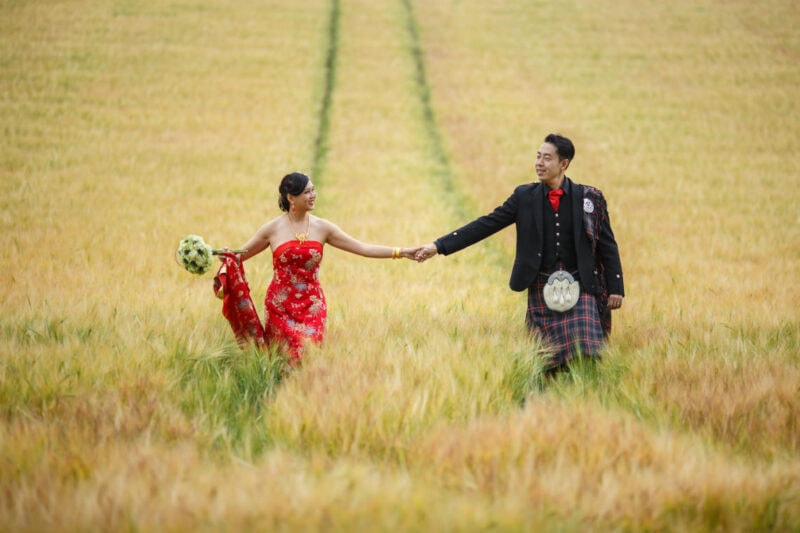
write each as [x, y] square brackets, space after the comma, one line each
[294, 304]
[230, 284]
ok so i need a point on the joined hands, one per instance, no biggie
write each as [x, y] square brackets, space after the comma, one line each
[417, 253]
[425, 252]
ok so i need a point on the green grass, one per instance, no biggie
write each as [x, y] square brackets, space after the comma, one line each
[228, 389]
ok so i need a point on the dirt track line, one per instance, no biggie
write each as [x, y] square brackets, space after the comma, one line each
[458, 200]
[323, 128]
[443, 170]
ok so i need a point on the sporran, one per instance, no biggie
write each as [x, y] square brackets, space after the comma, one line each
[561, 292]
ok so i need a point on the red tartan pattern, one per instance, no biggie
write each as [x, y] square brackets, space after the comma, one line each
[577, 331]
[592, 224]
[295, 304]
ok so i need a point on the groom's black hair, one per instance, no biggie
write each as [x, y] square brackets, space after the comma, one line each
[564, 147]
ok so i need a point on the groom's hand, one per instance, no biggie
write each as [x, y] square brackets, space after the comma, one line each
[425, 252]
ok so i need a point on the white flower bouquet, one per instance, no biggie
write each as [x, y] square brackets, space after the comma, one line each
[196, 256]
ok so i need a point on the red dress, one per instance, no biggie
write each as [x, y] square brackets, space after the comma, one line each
[294, 304]
[230, 284]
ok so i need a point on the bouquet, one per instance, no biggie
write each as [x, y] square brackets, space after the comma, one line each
[196, 256]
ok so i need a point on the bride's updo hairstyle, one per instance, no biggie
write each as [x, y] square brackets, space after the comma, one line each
[294, 184]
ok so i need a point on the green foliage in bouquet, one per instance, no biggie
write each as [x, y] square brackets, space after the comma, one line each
[194, 254]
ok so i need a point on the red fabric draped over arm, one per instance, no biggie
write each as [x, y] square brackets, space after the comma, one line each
[231, 286]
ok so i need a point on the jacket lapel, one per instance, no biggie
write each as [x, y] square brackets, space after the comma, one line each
[538, 216]
[576, 192]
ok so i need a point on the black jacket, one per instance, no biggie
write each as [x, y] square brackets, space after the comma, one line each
[599, 265]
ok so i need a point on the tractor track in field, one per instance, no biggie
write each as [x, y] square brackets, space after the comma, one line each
[443, 170]
[323, 126]
[457, 199]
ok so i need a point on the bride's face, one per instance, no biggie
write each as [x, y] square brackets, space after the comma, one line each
[306, 199]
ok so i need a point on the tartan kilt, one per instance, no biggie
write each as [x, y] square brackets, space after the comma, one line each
[567, 334]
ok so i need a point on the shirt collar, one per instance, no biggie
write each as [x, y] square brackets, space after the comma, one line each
[566, 186]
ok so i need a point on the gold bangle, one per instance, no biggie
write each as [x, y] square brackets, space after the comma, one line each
[395, 253]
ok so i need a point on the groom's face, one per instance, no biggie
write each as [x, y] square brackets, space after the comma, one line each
[549, 167]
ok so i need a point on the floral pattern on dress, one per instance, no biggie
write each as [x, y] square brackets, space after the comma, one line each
[230, 284]
[295, 304]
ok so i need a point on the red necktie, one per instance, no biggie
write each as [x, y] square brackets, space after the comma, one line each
[554, 196]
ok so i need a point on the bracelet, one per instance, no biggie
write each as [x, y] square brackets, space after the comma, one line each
[396, 253]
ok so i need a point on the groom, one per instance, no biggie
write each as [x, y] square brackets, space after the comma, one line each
[566, 255]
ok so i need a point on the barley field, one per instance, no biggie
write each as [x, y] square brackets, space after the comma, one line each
[126, 404]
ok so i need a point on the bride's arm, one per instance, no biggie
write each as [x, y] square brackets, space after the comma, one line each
[258, 242]
[336, 237]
